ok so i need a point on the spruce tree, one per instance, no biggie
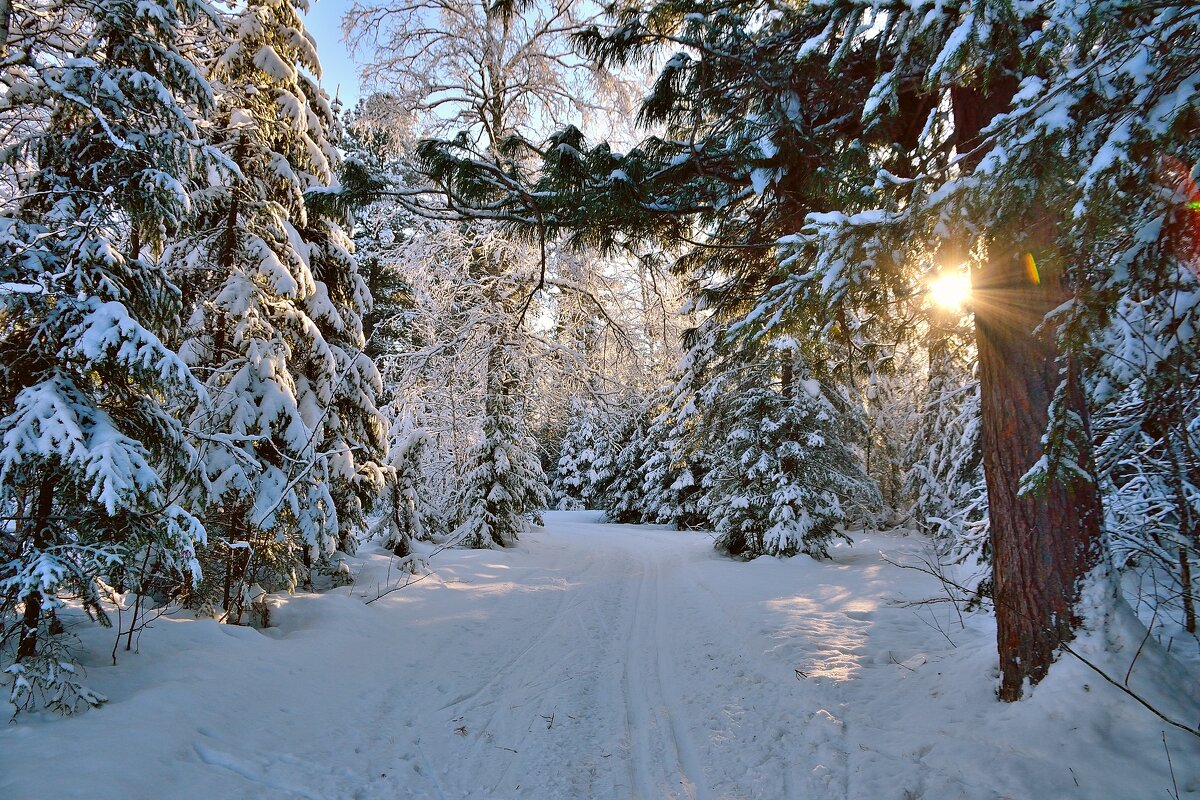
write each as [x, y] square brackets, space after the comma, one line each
[626, 497]
[354, 431]
[406, 514]
[281, 428]
[787, 477]
[673, 476]
[503, 486]
[377, 147]
[91, 453]
[585, 464]
[678, 463]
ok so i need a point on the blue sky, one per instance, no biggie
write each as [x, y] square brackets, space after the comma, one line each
[324, 22]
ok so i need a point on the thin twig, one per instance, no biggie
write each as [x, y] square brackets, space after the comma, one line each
[1149, 628]
[1170, 766]
[1066, 648]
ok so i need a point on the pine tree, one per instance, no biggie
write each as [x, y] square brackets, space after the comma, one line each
[1052, 196]
[91, 454]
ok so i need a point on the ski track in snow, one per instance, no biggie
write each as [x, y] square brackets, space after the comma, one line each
[594, 661]
[663, 760]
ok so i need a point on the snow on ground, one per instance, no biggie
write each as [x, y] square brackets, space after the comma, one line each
[607, 661]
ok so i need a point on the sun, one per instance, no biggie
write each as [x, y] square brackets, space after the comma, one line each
[950, 290]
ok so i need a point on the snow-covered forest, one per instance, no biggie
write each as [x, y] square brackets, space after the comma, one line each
[734, 399]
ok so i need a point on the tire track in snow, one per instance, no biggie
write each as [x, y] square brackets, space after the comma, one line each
[693, 767]
[583, 711]
[509, 692]
[636, 702]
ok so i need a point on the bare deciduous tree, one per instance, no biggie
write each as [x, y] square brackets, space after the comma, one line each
[460, 68]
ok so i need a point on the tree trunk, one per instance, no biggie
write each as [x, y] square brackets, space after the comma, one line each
[1043, 542]
[787, 373]
[5, 24]
[42, 537]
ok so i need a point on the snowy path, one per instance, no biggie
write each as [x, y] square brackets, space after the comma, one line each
[594, 661]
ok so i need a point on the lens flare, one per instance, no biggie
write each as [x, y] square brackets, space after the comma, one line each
[1181, 233]
[950, 290]
[1031, 270]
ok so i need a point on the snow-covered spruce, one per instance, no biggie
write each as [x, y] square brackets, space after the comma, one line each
[92, 458]
[786, 478]
[406, 513]
[586, 464]
[503, 487]
[274, 308]
[678, 459]
[354, 430]
[626, 499]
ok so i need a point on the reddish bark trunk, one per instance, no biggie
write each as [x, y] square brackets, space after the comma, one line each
[1045, 542]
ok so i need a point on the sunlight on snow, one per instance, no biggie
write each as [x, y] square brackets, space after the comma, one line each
[835, 634]
[488, 586]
